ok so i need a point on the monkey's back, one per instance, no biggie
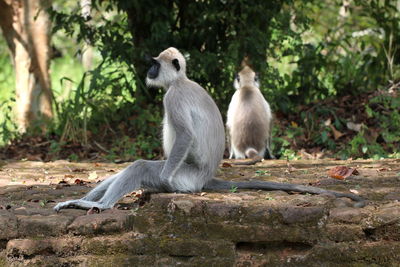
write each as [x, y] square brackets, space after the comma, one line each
[250, 120]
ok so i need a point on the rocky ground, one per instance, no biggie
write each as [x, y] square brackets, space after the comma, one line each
[234, 228]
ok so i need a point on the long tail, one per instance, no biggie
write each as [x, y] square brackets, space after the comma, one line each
[252, 157]
[251, 152]
[217, 184]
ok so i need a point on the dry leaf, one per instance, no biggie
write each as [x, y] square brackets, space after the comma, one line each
[336, 133]
[342, 172]
[69, 176]
[354, 126]
[226, 165]
[354, 191]
[80, 182]
[135, 194]
[62, 184]
[92, 176]
[203, 193]
[290, 168]
[328, 122]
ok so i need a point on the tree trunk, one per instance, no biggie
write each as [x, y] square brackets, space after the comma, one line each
[25, 25]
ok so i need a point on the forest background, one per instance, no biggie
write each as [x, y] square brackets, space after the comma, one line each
[330, 70]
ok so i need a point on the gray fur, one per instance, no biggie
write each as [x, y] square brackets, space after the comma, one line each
[193, 141]
[249, 118]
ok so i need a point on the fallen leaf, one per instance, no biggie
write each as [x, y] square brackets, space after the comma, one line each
[80, 182]
[290, 168]
[354, 126]
[69, 176]
[62, 184]
[336, 133]
[328, 122]
[354, 191]
[137, 193]
[93, 176]
[342, 172]
[203, 193]
[226, 165]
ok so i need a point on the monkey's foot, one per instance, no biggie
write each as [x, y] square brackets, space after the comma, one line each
[80, 204]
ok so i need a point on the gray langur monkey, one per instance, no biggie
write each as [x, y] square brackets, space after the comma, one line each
[249, 119]
[193, 142]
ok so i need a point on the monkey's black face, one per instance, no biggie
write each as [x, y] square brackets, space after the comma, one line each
[237, 77]
[154, 69]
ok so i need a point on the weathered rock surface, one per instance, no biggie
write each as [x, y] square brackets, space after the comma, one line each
[245, 228]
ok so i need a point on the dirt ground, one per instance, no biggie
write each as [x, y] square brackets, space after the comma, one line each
[238, 227]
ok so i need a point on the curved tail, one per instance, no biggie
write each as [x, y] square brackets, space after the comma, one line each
[251, 153]
[217, 184]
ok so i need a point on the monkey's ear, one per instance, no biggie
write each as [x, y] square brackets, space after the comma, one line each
[175, 62]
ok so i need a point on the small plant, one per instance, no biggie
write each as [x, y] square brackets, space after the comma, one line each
[73, 157]
[262, 173]
[233, 189]
[43, 203]
[268, 197]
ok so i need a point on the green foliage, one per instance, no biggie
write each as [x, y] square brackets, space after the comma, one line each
[307, 53]
[7, 127]
[383, 110]
[233, 189]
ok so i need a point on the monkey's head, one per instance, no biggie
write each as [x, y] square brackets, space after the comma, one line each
[169, 66]
[246, 77]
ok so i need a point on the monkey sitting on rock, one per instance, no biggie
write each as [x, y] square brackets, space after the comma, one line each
[193, 142]
[249, 119]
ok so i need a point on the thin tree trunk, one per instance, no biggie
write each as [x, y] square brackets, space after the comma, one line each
[25, 25]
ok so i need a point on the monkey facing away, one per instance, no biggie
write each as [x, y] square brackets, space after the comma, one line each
[249, 119]
[193, 142]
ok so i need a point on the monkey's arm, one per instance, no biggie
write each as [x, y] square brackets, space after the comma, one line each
[181, 122]
[180, 149]
[218, 184]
